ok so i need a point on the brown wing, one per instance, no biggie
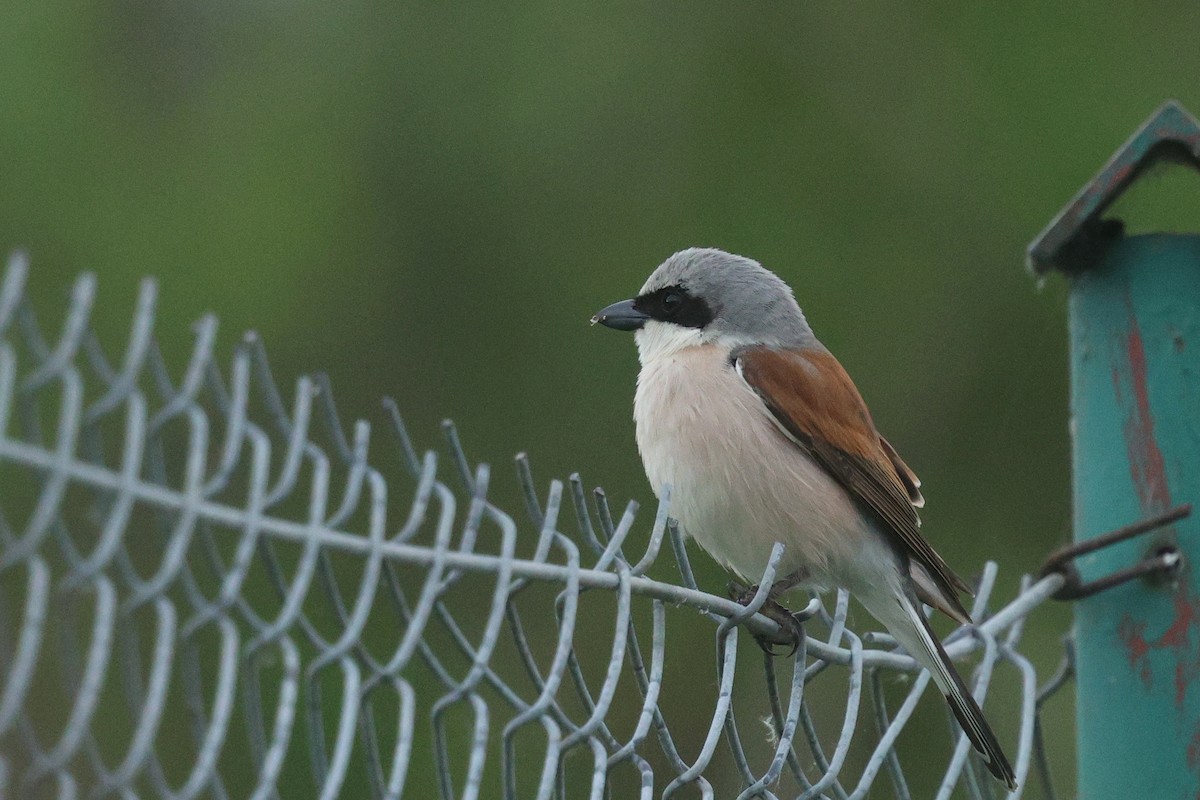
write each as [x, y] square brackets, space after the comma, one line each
[911, 482]
[814, 401]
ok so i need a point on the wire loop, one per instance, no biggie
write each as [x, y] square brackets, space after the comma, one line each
[1162, 562]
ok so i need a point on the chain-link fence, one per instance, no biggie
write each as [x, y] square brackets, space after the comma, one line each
[210, 590]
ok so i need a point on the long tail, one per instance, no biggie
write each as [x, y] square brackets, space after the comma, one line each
[912, 630]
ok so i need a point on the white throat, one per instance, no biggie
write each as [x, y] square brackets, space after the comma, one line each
[657, 340]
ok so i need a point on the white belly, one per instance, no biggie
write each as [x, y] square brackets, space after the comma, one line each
[737, 484]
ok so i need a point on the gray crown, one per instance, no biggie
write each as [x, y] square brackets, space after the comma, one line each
[748, 301]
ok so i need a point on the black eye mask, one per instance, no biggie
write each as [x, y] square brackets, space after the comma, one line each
[676, 305]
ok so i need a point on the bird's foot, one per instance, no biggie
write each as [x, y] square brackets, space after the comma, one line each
[791, 630]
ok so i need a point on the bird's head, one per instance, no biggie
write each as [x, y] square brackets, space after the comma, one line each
[707, 296]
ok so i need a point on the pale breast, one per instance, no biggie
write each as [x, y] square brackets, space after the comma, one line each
[738, 485]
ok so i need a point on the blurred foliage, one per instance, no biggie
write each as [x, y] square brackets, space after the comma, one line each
[429, 201]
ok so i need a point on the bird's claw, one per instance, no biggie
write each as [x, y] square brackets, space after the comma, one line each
[791, 630]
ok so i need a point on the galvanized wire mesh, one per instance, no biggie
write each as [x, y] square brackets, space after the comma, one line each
[206, 592]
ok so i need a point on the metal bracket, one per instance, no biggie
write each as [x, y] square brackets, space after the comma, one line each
[1163, 562]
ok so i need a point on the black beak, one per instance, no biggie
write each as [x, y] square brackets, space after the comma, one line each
[621, 316]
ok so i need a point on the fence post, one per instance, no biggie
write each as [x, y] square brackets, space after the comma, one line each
[1135, 423]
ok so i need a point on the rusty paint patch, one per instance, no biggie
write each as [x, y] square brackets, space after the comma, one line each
[1133, 636]
[1193, 755]
[1178, 638]
[1146, 464]
[1193, 751]
[1185, 617]
[1147, 468]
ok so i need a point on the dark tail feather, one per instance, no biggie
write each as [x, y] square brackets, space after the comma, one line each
[965, 709]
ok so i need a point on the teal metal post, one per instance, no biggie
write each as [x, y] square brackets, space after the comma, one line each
[1135, 423]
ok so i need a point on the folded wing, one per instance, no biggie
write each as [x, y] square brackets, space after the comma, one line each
[816, 405]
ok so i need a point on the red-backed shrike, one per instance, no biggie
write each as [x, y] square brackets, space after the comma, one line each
[763, 437]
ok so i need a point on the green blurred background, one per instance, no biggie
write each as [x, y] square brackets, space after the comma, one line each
[429, 201]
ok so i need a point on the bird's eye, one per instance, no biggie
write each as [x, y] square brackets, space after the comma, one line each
[671, 302]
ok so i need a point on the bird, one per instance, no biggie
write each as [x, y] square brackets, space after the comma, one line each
[762, 437]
